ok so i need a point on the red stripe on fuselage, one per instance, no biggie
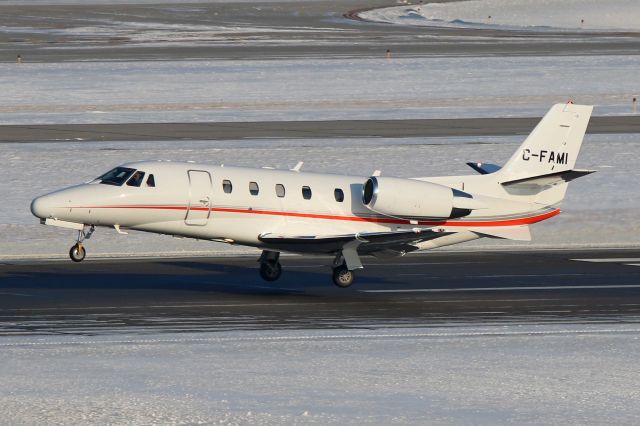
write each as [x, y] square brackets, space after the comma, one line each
[505, 222]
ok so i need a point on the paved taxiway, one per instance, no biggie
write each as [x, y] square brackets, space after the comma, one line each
[297, 129]
[102, 297]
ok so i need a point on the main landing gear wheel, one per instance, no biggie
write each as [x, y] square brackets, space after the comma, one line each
[342, 276]
[270, 268]
[270, 271]
[77, 252]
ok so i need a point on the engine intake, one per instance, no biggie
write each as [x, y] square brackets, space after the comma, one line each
[414, 199]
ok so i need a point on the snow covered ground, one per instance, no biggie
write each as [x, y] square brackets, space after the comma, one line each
[600, 209]
[188, 91]
[471, 374]
[516, 14]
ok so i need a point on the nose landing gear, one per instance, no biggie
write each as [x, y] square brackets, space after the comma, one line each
[77, 252]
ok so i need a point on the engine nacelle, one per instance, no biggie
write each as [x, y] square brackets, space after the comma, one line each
[414, 199]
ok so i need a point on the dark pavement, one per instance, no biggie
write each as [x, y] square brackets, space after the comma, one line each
[431, 289]
[297, 129]
[265, 30]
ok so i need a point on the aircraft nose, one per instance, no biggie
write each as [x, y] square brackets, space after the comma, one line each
[41, 207]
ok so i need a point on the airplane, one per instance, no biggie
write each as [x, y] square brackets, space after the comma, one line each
[346, 217]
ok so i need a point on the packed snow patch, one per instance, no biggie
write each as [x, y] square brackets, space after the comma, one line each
[516, 14]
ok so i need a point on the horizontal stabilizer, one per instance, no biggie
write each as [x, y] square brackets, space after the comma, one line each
[484, 168]
[550, 178]
[517, 233]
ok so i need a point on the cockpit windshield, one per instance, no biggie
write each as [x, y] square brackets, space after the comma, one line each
[117, 176]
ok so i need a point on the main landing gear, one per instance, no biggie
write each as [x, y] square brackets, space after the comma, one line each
[270, 268]
[342, 276]
[77, 252]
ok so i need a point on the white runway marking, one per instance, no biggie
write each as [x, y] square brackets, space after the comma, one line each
[420, 263]
[424, 274]
[373, 336]
[242, 305]
[610, 260]
[521, 288]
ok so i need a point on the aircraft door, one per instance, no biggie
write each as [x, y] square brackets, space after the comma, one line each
[200, 190]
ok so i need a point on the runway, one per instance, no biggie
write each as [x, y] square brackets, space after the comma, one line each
[139, 296]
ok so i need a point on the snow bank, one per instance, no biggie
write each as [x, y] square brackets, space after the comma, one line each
[516, 14]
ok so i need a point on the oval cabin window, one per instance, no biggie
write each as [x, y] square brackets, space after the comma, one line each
[227, 187]
[306, 192]
[253, 188]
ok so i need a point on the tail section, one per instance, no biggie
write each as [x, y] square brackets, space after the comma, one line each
[544, 163]
[553, 145]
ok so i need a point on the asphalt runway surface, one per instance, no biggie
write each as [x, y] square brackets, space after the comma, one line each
[227, 30]
[165, 295]
[297, 129]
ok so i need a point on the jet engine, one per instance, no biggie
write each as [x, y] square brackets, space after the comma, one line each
[416, 200]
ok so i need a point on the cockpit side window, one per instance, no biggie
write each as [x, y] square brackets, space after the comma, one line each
[136, 179]
[151, 182]
[117, 176]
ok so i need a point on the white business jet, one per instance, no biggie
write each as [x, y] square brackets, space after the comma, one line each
[342, 216]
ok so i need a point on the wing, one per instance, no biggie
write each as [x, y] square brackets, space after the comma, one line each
[366, 242]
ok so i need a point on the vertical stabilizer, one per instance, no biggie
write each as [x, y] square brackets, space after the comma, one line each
[553, 145]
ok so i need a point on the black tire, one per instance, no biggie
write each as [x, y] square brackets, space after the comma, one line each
[270, 271]
[77, 253]
[343, 277]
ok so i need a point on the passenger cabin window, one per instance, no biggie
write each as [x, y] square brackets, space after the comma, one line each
[306, 192]
[253, 188]
[227, 187]
[338, 194]
[117, 176]
[151, 182]
[280, 190]
[136, 179]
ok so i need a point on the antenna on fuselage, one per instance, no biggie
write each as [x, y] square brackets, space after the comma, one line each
[298, 166]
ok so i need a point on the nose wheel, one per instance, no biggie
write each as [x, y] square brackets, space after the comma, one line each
[77, 252]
